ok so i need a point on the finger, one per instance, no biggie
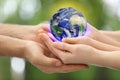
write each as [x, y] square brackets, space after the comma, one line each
[52, 37]
[45, 27]
[62, 46]
[62, 55]
[42, 31]
[55, 51]
[43, 59]
[48, 42]
[102, 46]
[46, 61]
[89, 41]
[71, 40]
[102, 38]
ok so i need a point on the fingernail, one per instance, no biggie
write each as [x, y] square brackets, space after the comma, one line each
[58, 64]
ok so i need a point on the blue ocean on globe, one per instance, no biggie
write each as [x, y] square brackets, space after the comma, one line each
[67, 23]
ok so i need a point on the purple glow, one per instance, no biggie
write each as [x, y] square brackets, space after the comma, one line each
[87, 33]
[88, 30]
[52, 37]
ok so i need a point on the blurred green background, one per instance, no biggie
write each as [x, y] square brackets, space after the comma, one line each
[103, 14]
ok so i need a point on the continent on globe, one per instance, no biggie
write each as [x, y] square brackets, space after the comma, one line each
[68, 23]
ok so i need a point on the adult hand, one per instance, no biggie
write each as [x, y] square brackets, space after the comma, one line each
[48, 42]
[91, 42]
[83, 54]
[103, 37]
[67, 52]
[94, 38]
[49, 65]
[39, 56]
[35, 50]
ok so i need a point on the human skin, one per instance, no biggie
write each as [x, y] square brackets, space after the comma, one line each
[103, 40]
[96, 47]
[113, 34]
[27, 44]
[106, 43]
[107, 37]
[84, 54]
[110, 38]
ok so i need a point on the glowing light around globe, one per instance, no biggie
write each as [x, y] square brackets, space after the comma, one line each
[68, 22]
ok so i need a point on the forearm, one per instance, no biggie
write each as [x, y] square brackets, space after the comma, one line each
[12, 30]
[11, 46]
[108, 59]
[108, 39]
[113, 34]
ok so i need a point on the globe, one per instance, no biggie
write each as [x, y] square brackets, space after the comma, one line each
[67, 23]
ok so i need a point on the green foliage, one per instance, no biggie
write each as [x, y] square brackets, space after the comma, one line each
[5, 68]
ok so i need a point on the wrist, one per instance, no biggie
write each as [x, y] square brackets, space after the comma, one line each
[11, 46]
[24, 32]
[102, 59]
[29, 33]
[21, 49]
[112, 34]
[18, 48]
[28, 49]
[16, 31]
[110, 59]
[96, 58]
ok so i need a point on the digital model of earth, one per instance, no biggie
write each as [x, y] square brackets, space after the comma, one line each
[67, 23]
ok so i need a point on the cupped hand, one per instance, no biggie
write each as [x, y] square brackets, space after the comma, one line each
[40, 57]
[96, 39]
[85, 54]
[91, 42]
[49, 43]
[98, 35]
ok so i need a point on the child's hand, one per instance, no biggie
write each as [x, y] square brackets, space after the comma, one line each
[75, 54]
[91, 42]
[69, 53]
[103, 36]
[59, 52]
